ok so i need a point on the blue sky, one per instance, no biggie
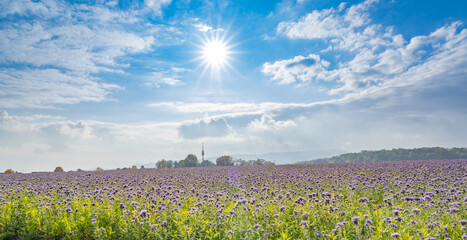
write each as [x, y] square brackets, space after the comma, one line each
[112, 83]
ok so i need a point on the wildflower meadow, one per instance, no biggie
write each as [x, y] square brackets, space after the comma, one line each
[386, 200]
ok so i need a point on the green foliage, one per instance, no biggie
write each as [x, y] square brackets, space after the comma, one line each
[7, 236]
[259, 161]
[224, 161]
[165, 164]
[190, 161]
[396, 155]
[206, 163]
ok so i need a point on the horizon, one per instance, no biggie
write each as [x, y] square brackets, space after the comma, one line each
[252, 157]
[114, 83]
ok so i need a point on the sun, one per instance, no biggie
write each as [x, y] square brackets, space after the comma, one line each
[215, 53]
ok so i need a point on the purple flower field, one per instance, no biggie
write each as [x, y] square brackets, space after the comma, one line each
[388, 200]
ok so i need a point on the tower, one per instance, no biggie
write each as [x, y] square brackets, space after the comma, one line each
[202, 152]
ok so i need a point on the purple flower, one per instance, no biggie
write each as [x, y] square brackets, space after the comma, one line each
[396, 235]
[363, 199]
[153, 227]
[122, 206]
[230, 232]
[355, 219]
[143, 213]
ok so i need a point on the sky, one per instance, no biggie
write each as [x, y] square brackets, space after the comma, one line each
[86, 84]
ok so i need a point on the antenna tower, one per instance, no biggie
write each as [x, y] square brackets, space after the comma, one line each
[202, 152]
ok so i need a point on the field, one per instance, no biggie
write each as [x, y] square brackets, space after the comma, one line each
[398, 200]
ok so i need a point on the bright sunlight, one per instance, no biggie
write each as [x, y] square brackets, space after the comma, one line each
[215, 53]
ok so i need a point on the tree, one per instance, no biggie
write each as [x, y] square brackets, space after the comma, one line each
[99, 169]
[134, 167]
[10, 171]
[170, 164]
[160, 164]
[190, 161]
[206, 163]
[165, 164]
[142, 167]
[58, 169]
[181, 163]
[224, 161]
[260, 161]
[241, 162]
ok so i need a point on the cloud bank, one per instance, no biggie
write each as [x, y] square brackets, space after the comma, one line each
[379, 58]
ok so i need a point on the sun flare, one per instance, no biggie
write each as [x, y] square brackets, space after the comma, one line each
[215, 53]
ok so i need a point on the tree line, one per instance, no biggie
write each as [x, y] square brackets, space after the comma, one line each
[396, 155]
[192, 161]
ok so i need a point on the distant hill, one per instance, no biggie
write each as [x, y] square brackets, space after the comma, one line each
[395, 155]
[285, 157]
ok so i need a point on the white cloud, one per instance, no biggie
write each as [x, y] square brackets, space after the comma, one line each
[380, 57]
[76, 47]
[156, 5]
[53, 51]
[206, 107]
[78, 129]
[211, 127]
[299, 69]
[169, 77]
[202, 27]
[327, 23]
[23, 7]
[235, 109]
[39, 88]
[167, 81]
[267, 123]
